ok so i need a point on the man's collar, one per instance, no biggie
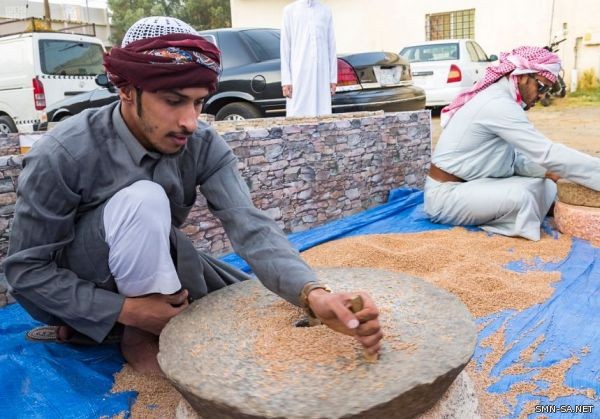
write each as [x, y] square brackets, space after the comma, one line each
[134, 147]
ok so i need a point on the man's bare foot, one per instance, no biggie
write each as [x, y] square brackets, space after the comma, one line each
[139, 348]
[64, 333]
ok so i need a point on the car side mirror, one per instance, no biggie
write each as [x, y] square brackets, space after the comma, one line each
[103, 81]
[493, 57]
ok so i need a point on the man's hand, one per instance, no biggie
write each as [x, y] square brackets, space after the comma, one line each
[333, 86]
[152, 313]
[552, 176]
[333, 309]
[287, 90]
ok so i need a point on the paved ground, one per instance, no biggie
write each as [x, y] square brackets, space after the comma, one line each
[577, 127]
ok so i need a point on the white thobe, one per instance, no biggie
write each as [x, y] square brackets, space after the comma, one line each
[491, 145]
[308, 58]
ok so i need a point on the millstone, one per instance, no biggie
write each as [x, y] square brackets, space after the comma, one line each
[574, 194]
[458, 402]
[578, 221]
[237, 353]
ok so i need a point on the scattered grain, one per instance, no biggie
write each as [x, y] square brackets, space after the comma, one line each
[469, 264]
[157, 398]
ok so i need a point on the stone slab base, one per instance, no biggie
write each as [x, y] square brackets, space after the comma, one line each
[578, 221]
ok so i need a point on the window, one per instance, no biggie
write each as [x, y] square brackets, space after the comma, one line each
[452, 25]
[70, 58]
[210, 38]
[436, 52]
[480, 53]
[263, 42]
[472, 52]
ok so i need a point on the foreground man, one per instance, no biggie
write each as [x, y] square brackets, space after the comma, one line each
[491, 167]
[308, 59]
[95, 241]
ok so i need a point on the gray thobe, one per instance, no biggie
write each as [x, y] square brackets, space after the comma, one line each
[491, 145]
[58, 260]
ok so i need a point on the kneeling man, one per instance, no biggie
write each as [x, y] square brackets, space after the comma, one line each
[96, 242]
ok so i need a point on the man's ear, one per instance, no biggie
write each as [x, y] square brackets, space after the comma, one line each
[126, 94]
[522, 79]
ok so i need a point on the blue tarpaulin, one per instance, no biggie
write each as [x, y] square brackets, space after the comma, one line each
[64, 381]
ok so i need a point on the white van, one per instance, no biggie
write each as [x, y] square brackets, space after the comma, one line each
[40, 68]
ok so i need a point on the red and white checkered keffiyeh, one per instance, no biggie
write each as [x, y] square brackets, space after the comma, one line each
[522, 60]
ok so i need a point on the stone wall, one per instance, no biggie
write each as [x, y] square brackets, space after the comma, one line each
[9, 144]
[302, 172]
[10, 166]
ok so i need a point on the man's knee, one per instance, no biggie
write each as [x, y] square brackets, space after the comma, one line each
[143, 200]
[143, 197]
[528, 201]
[518, 198]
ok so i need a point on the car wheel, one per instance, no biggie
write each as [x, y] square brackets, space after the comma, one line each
[63, 117]
[238, 111]
[7, 125]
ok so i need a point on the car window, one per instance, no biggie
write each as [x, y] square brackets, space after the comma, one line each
[480, 53]
[472, 52]
[263, 42]
[435, 52]
[210, 38]
[70, 58]
[234, 52]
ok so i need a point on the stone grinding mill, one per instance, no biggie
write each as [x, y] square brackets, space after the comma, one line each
[237, 353]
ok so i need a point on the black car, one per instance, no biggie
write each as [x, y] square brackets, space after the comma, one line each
[250, 85]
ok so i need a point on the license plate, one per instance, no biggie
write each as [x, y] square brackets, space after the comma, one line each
[423, 81]
[387, 76]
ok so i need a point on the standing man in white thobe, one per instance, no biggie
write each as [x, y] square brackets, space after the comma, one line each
[308, 59]
[491, 167]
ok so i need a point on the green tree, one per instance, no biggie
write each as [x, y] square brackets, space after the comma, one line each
[206, 14]
[126, 12]
[201, 14]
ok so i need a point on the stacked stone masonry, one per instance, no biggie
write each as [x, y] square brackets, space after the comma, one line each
[302, 172]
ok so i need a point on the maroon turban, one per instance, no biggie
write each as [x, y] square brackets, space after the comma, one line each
[173, 61]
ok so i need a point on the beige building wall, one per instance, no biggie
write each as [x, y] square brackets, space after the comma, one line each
[581, 50]
[364, 25]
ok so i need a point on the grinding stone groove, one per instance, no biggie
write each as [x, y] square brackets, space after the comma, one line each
[214, 352]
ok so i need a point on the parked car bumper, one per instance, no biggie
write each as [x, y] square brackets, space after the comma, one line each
[399, 99]
[40, 126]
[402, 98]
[443, 96]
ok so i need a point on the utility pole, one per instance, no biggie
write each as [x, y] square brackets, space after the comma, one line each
[47, 16]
